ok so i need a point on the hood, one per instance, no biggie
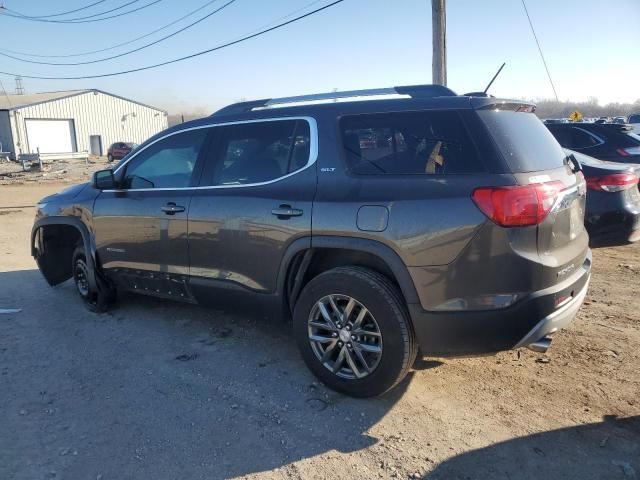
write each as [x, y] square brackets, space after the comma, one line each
[68, 193]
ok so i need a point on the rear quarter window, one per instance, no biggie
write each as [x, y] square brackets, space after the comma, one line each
[525, 142]
[408, 143]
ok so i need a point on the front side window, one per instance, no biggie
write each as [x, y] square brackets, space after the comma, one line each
[408, 143]
[168, 163]
[258, 152]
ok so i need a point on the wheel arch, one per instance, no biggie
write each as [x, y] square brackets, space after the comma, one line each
[38, 249]
[299, 259]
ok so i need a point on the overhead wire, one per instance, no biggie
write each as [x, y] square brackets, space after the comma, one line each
[186, 57]
[90, 19]
[553, 87]
[166, 37]
[128, 42]
[56, 14]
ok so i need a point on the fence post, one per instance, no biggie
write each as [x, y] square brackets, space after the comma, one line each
[39, 159]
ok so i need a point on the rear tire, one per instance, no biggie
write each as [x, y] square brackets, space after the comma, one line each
[359, 359]
[95, 299]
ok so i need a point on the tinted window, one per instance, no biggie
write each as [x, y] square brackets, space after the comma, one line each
[169, 163]
[582, 139]
[627, 139]
[525, 143]
[259, 152]
[408, 143]
[634, 118]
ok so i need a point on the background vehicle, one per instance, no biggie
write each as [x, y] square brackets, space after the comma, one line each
[453, 224]
[612, 214]
[119, 150]
[609, 141]
[634, 121]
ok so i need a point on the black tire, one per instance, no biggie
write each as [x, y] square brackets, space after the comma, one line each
[95, 299]
[382, 299]
[110, 158]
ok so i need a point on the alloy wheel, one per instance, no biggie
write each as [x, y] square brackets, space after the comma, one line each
[344, 336]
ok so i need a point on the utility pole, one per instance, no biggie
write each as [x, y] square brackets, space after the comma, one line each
[19, 86]
[439, 27]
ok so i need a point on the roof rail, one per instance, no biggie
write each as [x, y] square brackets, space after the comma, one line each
[414, 91]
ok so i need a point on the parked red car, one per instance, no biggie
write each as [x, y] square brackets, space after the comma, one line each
[119, 150]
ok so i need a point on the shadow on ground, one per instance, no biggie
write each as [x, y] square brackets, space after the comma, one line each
[155, 389]
[606, 450]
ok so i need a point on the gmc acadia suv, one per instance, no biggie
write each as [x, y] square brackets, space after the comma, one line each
[423, 221]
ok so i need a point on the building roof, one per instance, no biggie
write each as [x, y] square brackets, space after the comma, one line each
[13, 102]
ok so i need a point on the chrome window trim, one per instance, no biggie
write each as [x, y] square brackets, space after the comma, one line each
[313, 154]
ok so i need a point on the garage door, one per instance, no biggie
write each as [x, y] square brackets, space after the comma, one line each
[50, 136]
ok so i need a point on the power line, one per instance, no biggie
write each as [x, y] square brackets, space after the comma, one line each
[130, 51]
[540, 50]
[119, 44]
[90, 19]
[56, 14]
[180, 59]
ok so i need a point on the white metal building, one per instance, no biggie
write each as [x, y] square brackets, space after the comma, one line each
[74, 121]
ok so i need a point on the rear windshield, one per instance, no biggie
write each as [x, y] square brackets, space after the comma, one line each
[408, 143]
[628, 139]
[525, 143]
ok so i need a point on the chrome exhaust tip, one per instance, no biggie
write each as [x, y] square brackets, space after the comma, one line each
[541, 346]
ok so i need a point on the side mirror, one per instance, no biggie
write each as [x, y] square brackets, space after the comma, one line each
[104, 180]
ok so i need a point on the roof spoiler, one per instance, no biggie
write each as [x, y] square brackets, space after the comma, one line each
[414, 91]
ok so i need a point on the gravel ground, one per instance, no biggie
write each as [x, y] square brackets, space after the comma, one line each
[159, 390]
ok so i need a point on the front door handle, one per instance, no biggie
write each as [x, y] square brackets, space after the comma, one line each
[171, 208]
[286, 211]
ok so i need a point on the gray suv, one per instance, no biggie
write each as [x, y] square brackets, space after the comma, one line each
[420, 220]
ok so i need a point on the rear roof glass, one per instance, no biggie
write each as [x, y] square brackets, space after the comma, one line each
[525, 143]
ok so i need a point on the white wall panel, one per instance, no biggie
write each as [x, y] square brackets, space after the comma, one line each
[94, 113]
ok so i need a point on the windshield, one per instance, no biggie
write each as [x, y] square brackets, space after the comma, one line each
[526, 144]
[634, 119]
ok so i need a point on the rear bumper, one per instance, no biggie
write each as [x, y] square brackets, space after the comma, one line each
[613, 228]
[556, 320]
[466, 333]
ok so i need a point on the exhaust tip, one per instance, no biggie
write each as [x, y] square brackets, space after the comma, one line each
[541, 346]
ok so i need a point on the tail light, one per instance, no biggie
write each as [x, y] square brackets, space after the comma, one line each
[616, 182]
[625, 152]
[517, 206]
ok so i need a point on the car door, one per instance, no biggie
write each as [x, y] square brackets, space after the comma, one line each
[141, 227]
[254, 200]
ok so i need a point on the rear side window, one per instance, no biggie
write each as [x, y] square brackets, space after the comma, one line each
[258, 152]
[412, 143]
[574, 137]
[524, 141]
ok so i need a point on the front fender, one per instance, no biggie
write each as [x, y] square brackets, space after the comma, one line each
[38, 249]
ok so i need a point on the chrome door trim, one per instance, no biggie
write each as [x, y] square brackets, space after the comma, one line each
[313, 154]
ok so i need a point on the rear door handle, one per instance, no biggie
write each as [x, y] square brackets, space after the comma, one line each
[286, 211]
[171, 208]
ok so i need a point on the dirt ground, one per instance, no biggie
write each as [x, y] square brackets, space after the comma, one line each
[159, 390]
[61, 171]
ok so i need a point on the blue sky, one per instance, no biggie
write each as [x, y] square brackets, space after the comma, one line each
[591, 48]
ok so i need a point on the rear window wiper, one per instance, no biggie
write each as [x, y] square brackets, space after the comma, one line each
[573, 163]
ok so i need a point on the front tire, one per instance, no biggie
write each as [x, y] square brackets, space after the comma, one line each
[110, 158]
[354, 332]
[95, 299]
